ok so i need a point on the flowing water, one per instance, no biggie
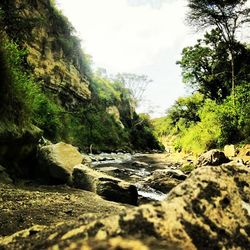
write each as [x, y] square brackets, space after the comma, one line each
[128, 168]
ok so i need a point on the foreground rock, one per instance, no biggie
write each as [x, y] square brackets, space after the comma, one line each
[57, 161]
[209, 210]
[213, 157]
[106, 186]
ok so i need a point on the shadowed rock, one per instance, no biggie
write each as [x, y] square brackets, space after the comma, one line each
[18, 150]
[4, 177]
[165, 180]
[106, 186]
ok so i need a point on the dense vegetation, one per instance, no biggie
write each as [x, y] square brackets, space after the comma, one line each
[217, 71]
[106, 122]
[212, 116]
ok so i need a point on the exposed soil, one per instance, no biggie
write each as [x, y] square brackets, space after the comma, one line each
[22, 206]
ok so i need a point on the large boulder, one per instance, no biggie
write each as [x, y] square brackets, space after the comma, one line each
[56, 161]
[213, 157]
[106, 186]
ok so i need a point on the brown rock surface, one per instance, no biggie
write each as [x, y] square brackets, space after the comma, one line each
[57, 161]
[26, 205]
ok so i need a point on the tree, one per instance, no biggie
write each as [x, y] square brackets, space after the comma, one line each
[206, 66]
[185, 108]
[137, 84]
[226, 15]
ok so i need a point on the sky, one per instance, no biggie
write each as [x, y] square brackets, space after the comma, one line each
[144, 37]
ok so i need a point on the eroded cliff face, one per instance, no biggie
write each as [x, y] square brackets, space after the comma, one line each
[54, 53]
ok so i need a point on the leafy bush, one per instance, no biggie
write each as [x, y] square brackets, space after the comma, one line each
[47, 116]
[105, 91]
[22, 101]
[220, 124]
[200, 136]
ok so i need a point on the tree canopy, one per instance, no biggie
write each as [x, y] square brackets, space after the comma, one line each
[206, 66]
[225, 15]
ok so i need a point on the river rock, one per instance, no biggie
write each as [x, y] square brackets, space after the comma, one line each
[229, 150]
[246, 150]
[106, 186]
[113, 171]
[165, 180]
[140, 164]
[56, 161]
[213, 157]
[237, 162]
[86, 160]
[209, 210]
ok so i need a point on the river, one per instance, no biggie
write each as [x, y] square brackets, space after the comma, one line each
[134, 169]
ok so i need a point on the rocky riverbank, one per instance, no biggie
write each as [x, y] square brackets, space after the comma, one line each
[208, 208]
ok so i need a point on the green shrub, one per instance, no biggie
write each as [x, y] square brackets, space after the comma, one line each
[220, 124]
[141, 134]
[47, 116]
